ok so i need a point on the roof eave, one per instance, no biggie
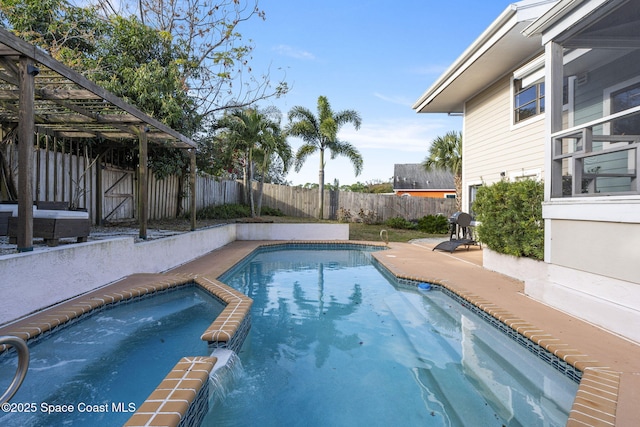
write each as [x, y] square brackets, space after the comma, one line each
[509, 24]
[548, 19]
[462, 63]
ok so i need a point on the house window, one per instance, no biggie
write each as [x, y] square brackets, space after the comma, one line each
[625, 99]
[528, 101]
[473, 191]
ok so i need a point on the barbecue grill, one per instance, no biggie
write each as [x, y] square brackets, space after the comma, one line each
[459, 223]
[459, 232]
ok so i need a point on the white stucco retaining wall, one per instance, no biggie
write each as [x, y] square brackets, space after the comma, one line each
[603, 301]
[292, 231]
[32, 281]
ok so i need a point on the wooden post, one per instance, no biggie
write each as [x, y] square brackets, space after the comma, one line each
[26, 130]
[143, 203]
[192, 184]
[99, 191]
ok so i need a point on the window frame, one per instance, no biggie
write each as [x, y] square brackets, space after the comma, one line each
[537, 101]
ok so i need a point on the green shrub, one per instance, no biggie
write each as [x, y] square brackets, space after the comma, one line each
[266, 210]
[399, 222]
[434, 224]
[511, 217]
[224, 212]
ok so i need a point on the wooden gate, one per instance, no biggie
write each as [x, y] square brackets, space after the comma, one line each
[119, 195]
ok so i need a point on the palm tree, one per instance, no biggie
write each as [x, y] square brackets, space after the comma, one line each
[249, 130]
[273, 145]
[445, 153]
[320, 133]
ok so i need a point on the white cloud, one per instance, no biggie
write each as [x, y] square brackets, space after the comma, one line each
[293, 52]
[408, 135]
[395, 99]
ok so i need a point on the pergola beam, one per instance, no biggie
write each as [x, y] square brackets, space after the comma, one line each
[26, 130]
[143, 183]
[56, 100]
[74, 92]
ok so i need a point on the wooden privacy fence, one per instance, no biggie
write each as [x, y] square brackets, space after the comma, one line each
[71, 175]
[300, 202]
[63, 173]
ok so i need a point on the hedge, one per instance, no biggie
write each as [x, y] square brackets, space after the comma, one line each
[511, 217]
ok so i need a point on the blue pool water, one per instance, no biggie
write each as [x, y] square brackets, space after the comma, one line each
[334, 342]
[109, 361]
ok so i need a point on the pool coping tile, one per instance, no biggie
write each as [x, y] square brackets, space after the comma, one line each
[168, 405]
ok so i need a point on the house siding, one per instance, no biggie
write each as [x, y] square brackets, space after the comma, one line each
[491, 144]
[588, 246]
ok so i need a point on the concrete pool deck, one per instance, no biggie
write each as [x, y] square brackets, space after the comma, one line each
[610, 389]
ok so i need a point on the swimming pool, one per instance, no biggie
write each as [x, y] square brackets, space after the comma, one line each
[101, 368]
[334, 341]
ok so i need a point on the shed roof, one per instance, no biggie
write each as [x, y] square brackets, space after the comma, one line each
[69, 105]
[413, 176]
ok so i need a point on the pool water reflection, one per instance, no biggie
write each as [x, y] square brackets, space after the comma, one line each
[335, 342]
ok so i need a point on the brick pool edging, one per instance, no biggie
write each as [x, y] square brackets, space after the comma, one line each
[232, 325]
[181, 399]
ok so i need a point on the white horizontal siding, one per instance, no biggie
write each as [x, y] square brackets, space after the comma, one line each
[492, 145]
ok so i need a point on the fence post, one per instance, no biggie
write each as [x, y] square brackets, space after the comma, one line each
[334, 202]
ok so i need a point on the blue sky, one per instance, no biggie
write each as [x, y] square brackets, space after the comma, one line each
[376, 57]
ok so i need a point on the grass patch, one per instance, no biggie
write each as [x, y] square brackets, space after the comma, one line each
[359, 231]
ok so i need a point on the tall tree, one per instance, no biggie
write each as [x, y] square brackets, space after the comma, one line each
[182, 62]
[445, 153]
[273, 147]
[321, 133]
[219, 73]
[68, 33]
[146, 68]
[251, 131]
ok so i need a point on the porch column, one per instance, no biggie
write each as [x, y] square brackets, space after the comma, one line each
[553, 80]
[26, 130]
[143, 206]
[192, 184]
[553, 113]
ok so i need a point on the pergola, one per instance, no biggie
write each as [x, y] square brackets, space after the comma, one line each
[41, 95]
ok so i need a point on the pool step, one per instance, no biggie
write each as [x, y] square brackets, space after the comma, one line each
[446, 389]
[497, 368]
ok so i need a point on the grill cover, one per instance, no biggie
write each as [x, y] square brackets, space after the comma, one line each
[460, 218]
